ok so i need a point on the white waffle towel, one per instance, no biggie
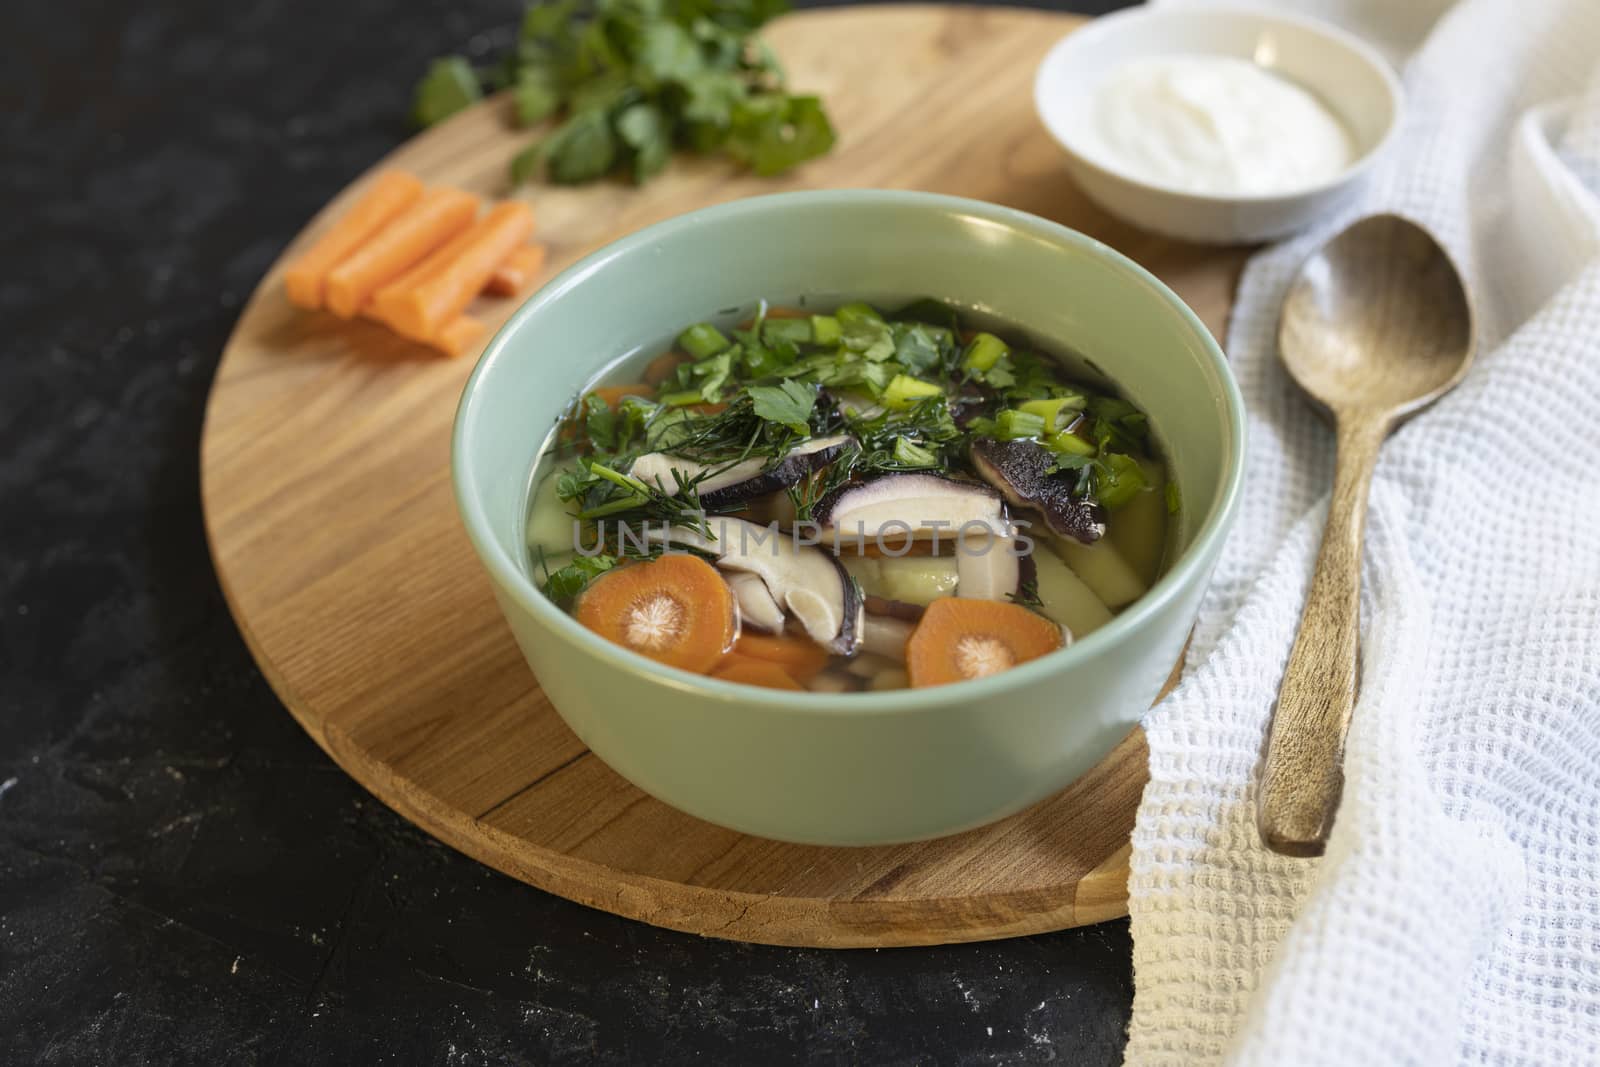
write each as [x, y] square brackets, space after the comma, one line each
[1456, 915]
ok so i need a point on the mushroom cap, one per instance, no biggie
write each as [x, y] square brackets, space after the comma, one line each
[733, 483]
[926, 505]
[1025, 472]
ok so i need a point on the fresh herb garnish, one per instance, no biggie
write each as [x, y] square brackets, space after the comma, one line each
[1027, 593]
[564, 583]
[789, 403]
[635, 80]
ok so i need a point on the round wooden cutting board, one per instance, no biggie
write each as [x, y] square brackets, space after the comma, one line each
[324, 472]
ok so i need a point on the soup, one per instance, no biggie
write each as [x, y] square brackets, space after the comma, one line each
[853, 500]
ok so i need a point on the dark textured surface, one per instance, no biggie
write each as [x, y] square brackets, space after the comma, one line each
[184, 877]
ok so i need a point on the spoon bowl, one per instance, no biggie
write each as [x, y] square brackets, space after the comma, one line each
[1377, 320]
[1376, 327]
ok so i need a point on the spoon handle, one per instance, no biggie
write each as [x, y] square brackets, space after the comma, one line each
[1303, 774]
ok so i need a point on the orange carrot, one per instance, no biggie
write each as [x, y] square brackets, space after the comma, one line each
[676, 609]
[391, 193]
[661, 368]
[458, 336]
[420, 310]
[519, 268]
[414, 275]
[756, 672]
[613, 394]
[959, 639]
[801, 658]
[427, 224]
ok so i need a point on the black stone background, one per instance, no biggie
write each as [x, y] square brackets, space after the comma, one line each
[184, 876]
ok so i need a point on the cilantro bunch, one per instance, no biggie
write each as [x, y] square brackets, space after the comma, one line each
[632, 81]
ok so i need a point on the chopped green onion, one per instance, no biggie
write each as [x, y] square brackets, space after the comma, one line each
[1174, 504]
[984, 352]
[702, 340]
[909, 454]
[1120, 480]
[905, 392]
[1012, 425]
[793, 331]
[825, 330]
[678, 400]
[857, 312]
[1068, 442]
[1052, 409]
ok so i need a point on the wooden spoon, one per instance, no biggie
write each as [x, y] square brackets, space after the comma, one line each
[1375, 328]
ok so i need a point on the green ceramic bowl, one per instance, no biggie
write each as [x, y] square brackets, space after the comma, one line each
[858, 768]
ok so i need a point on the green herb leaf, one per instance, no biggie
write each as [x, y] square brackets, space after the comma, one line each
[920, 348]
[449, 86]
[713, 373]
[772, 132]
[909, 454]
[535, 95]
[789, 403]
[666, 53]
[643, 127]
[582, 148]
[567, 582]
[709, 83]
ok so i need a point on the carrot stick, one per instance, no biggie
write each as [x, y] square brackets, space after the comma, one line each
[457, 336]
[429, 265]
[519, 268]
[419, 311]
[390, 194]
[429, 223]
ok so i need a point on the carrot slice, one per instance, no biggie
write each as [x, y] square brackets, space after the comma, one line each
[438, 216]
[676, 609]
[518, 269]
[959, 639]
[391, 193]
[613, 394]
[801, 658]
[458, 336]
[756, 672]
[420, 310]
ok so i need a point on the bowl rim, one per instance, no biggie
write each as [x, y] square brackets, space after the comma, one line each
[1087, 36]
[513, 582]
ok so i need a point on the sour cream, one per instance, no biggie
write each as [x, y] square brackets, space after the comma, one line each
[1216, 124]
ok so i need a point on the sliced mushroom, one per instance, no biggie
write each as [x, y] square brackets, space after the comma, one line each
[757, 608]
[732, 483]
[1023, 471]
[809, 583]
[927, 505]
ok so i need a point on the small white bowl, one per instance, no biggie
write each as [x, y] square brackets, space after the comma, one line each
[1347, 75]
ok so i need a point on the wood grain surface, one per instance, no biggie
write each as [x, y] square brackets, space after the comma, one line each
[328, 507]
